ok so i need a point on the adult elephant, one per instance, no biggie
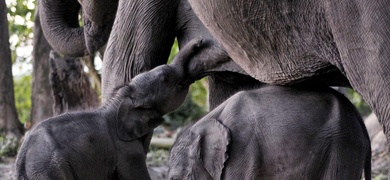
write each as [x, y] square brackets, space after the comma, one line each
[144, 32]
[283, 42]
[61, 24]
[142, 36]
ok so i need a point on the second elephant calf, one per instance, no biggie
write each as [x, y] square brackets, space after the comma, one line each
[275, 132]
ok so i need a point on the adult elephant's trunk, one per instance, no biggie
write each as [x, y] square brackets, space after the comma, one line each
[60, 24]
[98, 18]
[141, 39]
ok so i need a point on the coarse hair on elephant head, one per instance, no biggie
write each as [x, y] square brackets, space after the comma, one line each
[61, 24]
[112, 141]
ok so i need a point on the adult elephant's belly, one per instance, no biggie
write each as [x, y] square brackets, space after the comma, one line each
[287, 57]
[278, 42]
[286, 69]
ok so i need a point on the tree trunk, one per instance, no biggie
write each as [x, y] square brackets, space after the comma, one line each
[10, 126]
[41, 99]
[8, 117]
[93, 73]
[70, 84]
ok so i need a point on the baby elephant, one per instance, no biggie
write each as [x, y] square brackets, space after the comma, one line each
[275, 132]
[110, 142]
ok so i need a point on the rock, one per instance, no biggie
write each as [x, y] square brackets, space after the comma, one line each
[380, 156]
[158, 172]
[7, 169]
[372, 125]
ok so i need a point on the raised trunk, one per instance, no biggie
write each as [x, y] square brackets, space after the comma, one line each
[141, 39]
[212, 59]
[41, 99]
[60, 25]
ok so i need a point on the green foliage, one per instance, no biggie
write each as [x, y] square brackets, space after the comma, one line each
[198, 92]
[187, 112]
[359, 103]
[157, 157]
[20, 23]
[380, 177]
[174, 51]
[20, 18]
[8, 145]
[22, 88]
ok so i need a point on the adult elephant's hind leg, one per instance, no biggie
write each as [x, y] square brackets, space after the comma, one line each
[361, 30]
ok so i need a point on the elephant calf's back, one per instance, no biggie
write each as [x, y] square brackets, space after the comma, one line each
[294, 132]
[275, 132]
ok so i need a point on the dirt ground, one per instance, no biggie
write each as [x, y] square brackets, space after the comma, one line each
[7, 170]
[158, 167]
[159, 172]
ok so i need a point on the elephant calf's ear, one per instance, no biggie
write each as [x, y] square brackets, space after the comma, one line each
[135, 122]
[210, 146]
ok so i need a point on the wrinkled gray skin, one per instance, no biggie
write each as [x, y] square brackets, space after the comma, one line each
[283, 42]
[134, 38]
[279, 42]
[133, 47]
[335, 42]
[60, 24]
[110, 142]
[275, 132]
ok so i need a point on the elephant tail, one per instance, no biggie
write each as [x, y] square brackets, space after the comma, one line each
[367, 165]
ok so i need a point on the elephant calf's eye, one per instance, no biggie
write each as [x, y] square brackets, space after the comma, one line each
[180, 86]
[165, 79]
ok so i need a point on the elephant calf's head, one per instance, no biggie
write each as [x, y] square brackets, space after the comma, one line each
[152, 94]
[165, 87]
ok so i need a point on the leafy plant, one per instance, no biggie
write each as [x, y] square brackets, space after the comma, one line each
[199, 92]
[20, 18]
[157, 157]
[8, 145]
[359, 103]
[174, 51]
[187, 112]
[22, 88]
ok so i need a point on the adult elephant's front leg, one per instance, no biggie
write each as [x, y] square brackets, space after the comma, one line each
[141, 39]
[362, 34]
